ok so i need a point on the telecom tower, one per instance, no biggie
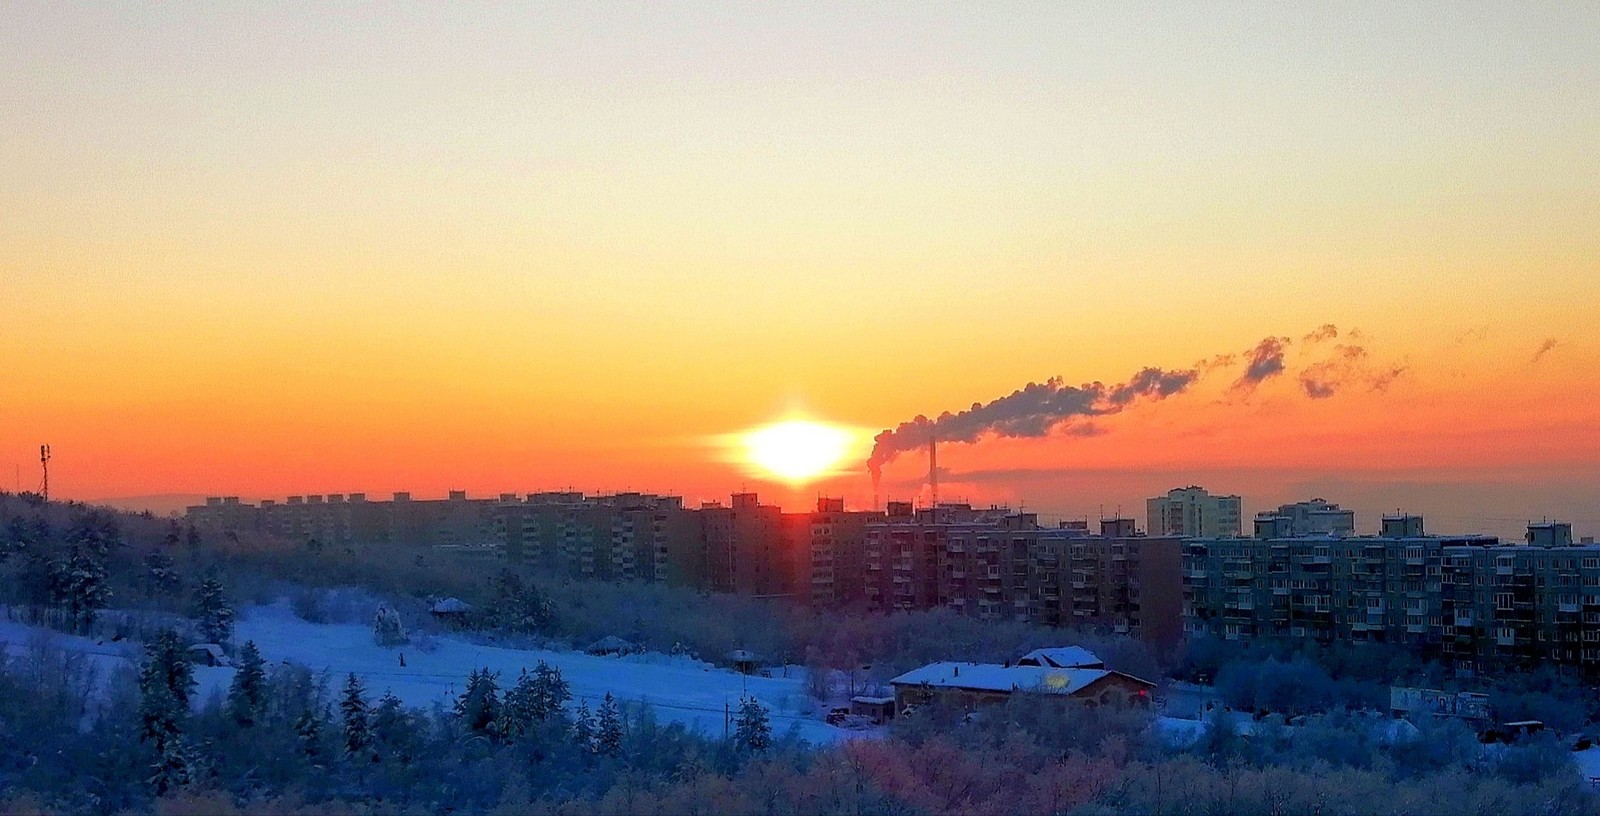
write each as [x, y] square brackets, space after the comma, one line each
[44, 463]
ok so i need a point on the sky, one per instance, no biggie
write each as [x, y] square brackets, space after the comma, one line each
[268, 249]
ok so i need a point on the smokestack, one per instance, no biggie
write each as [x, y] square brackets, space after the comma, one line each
[933, 468]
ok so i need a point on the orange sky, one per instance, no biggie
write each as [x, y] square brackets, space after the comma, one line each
[247, 251]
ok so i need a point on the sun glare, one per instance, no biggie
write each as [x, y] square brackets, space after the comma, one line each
[797, 450]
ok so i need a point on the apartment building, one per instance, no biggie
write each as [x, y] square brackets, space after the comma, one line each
[1193, 512]
[618, 537]
[834, 537]
[997, 563]
[1471, 600]
[1314, 517]
[337, 519]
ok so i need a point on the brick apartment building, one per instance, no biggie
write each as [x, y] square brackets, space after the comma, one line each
[997, 563]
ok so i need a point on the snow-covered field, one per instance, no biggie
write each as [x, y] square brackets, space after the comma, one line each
[681, 689]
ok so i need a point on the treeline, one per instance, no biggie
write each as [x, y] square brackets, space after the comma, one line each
[282, 740]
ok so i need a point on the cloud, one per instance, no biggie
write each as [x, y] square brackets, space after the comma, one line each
[1544, 348]
[1263, 362]
[1326, 331]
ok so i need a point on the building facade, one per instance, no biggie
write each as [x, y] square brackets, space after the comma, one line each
[1193, 512]
[1314, 517]
[1470, 600]
[1000, 564]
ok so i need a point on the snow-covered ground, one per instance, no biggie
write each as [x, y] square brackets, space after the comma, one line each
[681, 689]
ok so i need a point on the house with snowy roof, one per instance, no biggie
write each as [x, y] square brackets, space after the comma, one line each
[1063, 657]
[970, 685]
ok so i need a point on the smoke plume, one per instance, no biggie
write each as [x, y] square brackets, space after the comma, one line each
[1038, 409]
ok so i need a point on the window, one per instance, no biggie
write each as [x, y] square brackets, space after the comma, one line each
[1502, 600]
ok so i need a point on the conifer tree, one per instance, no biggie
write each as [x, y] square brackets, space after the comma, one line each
[165, 681]
[583, 728]
[172, 769]
[752, 731]
[550, 692]
[479, 706]
[246, 693]
[216, 616]
[78, 585]
[608, 731]
[160, 579]
[308, 734]
[353, 707]
[391, 728]
[517, 712]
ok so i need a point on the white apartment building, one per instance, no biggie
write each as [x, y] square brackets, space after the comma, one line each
[1191, 511]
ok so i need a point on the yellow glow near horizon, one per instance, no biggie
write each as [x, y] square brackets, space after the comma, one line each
[797, 450]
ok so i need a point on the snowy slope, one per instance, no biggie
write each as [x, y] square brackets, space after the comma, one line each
[681, 689]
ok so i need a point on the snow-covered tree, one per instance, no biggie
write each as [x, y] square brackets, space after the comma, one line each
[386, 628]
[516, 606]
[550, 691]
[393, 728]
[308, 734]
[78, 584]
[752, 729]
[211, 607]
[353, 708]
[165, 682]
[173, 768]
[160, 579]
[608, 729]
[246, 693]
[478, 707]
[583, 728]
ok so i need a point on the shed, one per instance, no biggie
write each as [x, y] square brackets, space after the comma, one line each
[1062, 657]
[743, 660]
[878, 709]
[612, 645]
[208, 654]
[453, 611]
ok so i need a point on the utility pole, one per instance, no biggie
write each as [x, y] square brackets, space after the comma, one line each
[44, 463]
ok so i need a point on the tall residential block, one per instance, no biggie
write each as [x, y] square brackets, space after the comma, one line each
[1193, 512]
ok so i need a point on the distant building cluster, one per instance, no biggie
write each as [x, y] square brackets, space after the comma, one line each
[1304, 573]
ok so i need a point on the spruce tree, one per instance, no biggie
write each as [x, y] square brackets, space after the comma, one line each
[550, 692]
[78, 585]
[752, 731]
[160, 579]
[246, 693]
[517, 714]
[391, 728]
[216, 616]
[479, 706]
[583, 728]
[353, 706]
[172, 769]
[608, 731]
[308, 734]
[165, 683]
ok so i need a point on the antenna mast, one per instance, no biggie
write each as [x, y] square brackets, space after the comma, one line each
[44, 464]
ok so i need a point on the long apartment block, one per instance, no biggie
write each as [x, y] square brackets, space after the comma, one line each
[1473, 600]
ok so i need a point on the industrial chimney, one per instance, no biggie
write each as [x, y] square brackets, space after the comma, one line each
[933, 469]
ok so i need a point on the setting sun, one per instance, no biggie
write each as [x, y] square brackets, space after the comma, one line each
[797, 450]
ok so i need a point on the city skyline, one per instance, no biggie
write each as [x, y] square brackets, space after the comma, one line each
[529, 248]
